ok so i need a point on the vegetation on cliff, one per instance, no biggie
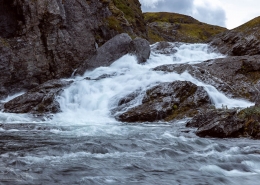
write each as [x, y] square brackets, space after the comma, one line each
[174, 27]
[125, 17]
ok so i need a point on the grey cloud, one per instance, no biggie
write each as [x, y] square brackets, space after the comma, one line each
[178, 6]
[212, 16]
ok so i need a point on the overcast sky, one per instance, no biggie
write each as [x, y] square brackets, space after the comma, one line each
[226, 13]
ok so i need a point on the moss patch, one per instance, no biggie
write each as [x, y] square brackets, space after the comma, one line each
[251, 116]
[4, 42]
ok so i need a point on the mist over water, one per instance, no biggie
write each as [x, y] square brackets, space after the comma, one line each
[84, 144]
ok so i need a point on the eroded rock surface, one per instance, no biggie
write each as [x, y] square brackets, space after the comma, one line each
[243, 40]
[167, 101]
[228, 123]
[42, 40]
[38, 100]
[236, 76]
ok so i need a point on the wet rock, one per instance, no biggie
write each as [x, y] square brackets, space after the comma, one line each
[236, 76]
[125, 102]
[167, 101]
[228, 123]
[141, 49]
[38, 100]
[165, 48]
[216, 123]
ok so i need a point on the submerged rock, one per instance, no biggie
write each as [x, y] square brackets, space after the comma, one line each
[167, 101]
[38, 100]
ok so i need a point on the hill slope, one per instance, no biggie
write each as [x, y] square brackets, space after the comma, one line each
[163, 26]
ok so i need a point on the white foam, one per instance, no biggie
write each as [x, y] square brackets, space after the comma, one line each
[213, 169]
[10, 97]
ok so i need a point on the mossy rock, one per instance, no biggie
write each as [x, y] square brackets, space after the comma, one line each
[126, 17]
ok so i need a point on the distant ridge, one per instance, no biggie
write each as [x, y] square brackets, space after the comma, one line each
[174, 27]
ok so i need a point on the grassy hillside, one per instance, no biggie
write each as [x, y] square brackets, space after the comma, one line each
[249, 27]
[163, 26]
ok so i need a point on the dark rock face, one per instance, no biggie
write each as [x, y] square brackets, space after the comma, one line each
[228, 123]
[219, 124]
[236, 43]
[237, 76]
[42, 40]
[243, 40]
[8, 17]
[38, 100]
[166, 102]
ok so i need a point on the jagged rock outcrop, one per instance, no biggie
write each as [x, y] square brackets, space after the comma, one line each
[236, 76]
[165, 101]
[228, 123]
[39, 100]
[173, 27]
[115, 48]
[49, 39]
[243, 40]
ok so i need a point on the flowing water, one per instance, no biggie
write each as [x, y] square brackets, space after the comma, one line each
[84, 144]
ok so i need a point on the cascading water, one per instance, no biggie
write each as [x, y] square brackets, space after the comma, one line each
[84, 144]
[89, 101]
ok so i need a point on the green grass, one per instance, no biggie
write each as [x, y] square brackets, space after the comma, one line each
[187, 29]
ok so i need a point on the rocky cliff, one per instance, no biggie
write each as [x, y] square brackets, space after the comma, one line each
[243, 40]
[42, 40]
[173, 27]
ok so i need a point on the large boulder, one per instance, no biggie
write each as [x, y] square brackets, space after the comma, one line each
[114, 49]
[238, 76]
[165, 101]
[39, 100]
[214, 123]
[243, 40]
[228, 123]
[49, 39]
[141, 49]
